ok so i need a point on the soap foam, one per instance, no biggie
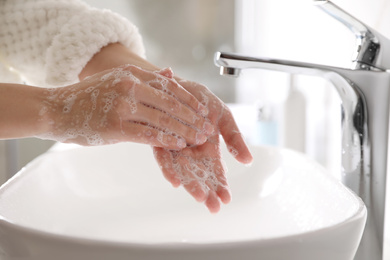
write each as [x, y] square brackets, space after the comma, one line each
[95, 102]
[130, 98]
[118, 75]
[205, 99]
[202, 173]
[109, 100]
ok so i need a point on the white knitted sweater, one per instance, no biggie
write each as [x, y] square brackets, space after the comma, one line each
[48, 42]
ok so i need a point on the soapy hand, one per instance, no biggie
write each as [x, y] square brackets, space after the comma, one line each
[126, 104]
[200, 168]
[222, 119]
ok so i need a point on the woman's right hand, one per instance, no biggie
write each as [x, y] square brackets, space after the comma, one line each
[126, 104]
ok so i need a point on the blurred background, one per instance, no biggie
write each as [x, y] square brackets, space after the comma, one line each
[272, 108]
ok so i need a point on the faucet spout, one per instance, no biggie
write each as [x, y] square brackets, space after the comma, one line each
[365, 102]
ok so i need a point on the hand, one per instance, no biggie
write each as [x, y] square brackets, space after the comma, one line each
[200, 169]
[222, 119]
[126, 104]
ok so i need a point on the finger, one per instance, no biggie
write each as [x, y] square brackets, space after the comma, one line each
[198, 175]
[170, 86]
[191, 173]
[158, 119]
[176, 169]
[225, 121]
[209, 174]
[140, 133]
[174, 89]
[218, 184]
[224, 194]
[233, 138]
[212, 202]
[213, 162]
[170, 105]
[196, 190]
[213, 167]
[222, 188]
[165, 160]
[171, 164]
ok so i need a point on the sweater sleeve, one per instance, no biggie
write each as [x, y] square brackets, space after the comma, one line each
[48, 42]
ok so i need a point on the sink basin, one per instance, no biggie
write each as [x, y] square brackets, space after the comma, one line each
[112, 202]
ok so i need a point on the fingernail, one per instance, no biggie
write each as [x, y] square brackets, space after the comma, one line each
[208, 128]
[181, 143]
[248, 165]
[200, 138]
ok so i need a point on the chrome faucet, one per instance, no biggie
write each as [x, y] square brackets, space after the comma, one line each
[364, 90]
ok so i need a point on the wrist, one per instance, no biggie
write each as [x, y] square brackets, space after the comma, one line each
[21, 107]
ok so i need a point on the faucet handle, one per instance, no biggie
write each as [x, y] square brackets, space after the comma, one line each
[372, 50]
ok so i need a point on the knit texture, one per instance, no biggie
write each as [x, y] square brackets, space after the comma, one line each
[48, 42]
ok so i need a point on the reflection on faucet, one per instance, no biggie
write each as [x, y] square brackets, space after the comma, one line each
[364, 90]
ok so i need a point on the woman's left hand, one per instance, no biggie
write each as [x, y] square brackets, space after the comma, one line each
[200, 169]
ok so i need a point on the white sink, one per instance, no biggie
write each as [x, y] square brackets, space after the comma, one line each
[113, 203]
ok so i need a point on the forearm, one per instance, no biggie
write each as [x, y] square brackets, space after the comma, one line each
[114, 55]
[20, 107]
